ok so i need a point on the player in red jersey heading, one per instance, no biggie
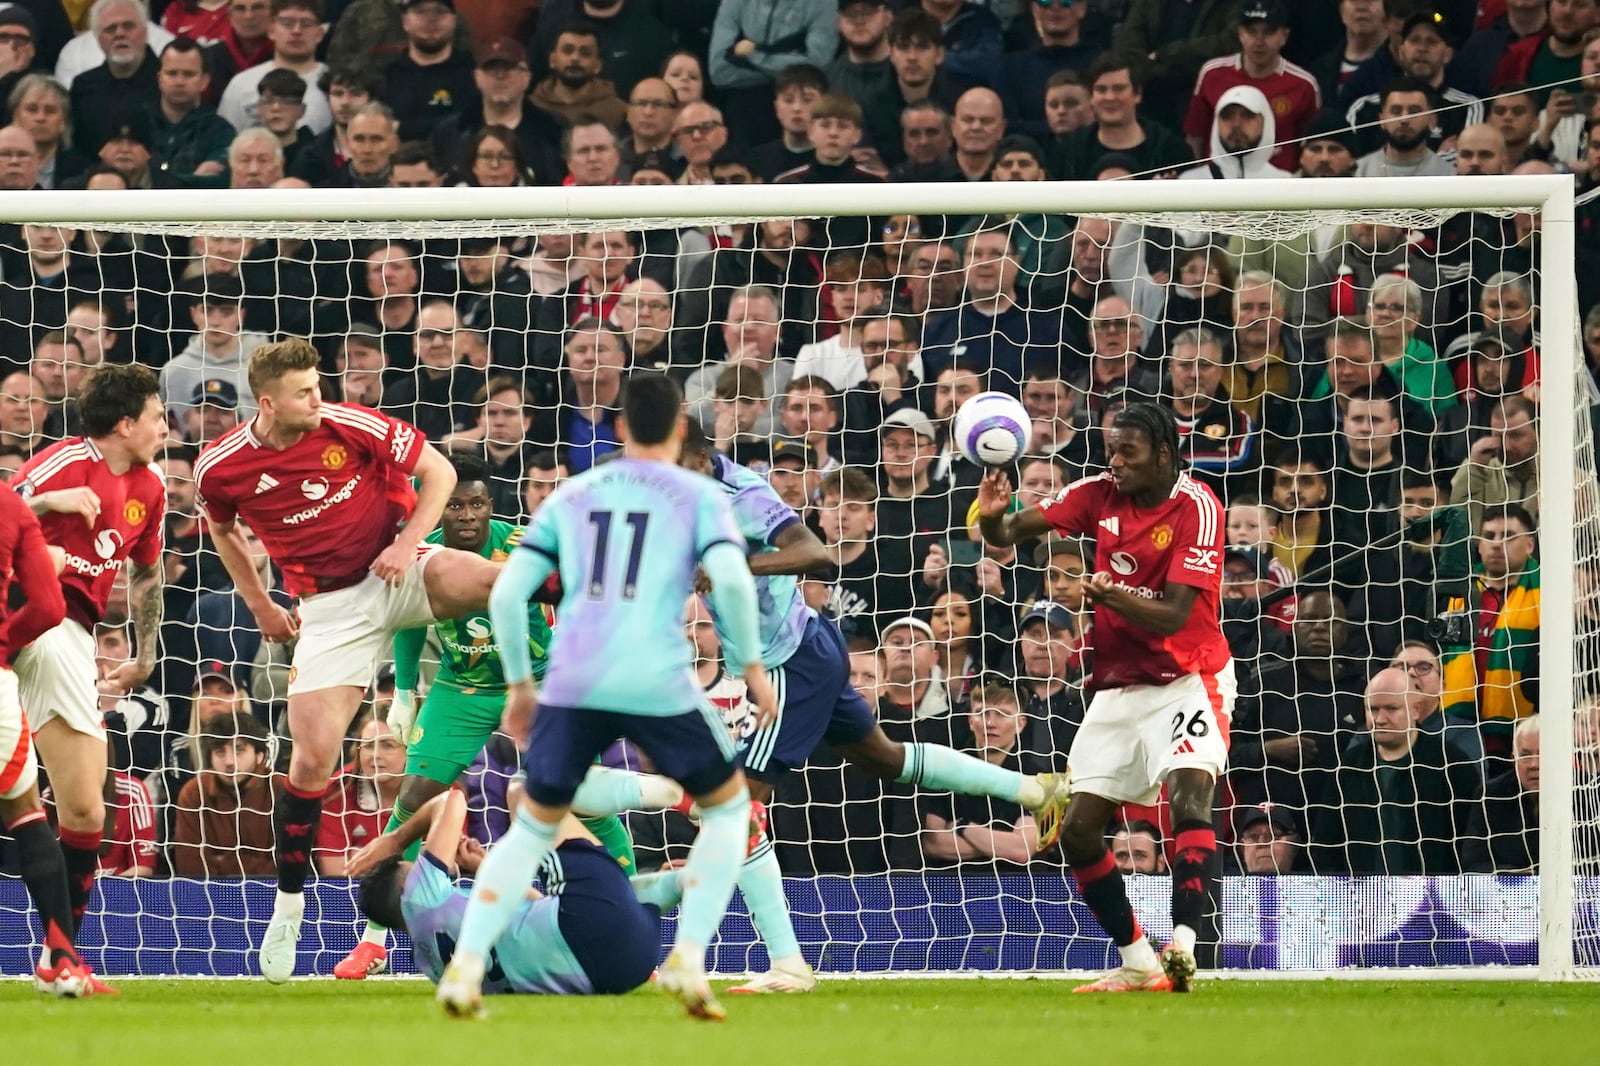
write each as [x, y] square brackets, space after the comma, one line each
[1162, 678]
[27, 565]
[327, 488]
[100, 498]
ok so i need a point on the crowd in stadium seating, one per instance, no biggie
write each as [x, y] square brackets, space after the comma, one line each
[1364, 398]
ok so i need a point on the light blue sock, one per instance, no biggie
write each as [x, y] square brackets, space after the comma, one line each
[607, 791]
[761, 882]
[713, 867]
[664, 889]
[503, 881]
[936, 767]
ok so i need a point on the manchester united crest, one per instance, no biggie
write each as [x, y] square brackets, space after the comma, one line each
[1161, 536]
[134, 512]
[334, 456]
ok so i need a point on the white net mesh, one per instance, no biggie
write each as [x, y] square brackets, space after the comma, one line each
[1361, 387]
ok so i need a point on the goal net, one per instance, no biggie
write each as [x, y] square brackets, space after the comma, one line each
[1384, 380]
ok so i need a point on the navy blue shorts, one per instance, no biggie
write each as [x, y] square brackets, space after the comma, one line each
[816, 703]
[692, 748]
[614, 937]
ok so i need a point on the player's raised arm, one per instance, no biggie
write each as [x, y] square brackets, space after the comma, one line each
[435, 478]
[41, 605]
[1001, 526]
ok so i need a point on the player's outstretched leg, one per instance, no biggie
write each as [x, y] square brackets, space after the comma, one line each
[1100, 884]
[709, 877]
[934, 766]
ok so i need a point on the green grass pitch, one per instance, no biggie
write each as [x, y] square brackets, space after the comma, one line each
[875, 1023]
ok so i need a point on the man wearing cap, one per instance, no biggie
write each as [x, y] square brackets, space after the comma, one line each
[913, 684]
[213, 411]
[793, 474]
[1330, 147]
[126, 79]
[913, 508]
[863, 71]
[433, 79]
[126, 148]
[502, 78]
[220, 348]
[370, 34]
[1050, 658]
[1291, 90]
[1426, 47]
[19, 49]
[224, 826]
[295, 32]
[1270, 841]
[1250, 631]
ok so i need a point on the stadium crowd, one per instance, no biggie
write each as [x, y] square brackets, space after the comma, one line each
[1364, 399]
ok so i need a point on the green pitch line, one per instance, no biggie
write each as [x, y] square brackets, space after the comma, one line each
[874, 1023]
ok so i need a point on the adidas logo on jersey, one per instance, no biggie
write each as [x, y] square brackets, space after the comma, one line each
[267, 482]
[1110, 525]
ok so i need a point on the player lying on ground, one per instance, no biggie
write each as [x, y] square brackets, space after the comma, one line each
[468, 694]
[1163, 677]
[33, 566]
[591, 932]
[809, 666]
[328, 489]
[100, 498]
[628, 538]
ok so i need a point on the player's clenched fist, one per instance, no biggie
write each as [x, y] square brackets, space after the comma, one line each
[994, 494]
[276, 625]
[1096, 585]
[392, 563]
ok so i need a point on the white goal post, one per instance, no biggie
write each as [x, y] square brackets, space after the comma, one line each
[1271, 209]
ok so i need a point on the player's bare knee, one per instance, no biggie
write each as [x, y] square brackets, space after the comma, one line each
[81, 814]
[878, 756]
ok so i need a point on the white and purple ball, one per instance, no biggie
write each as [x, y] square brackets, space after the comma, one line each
[993, 429]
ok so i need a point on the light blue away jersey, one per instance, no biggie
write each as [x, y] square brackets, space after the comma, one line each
[627, 537]
[530, 956]
[762, 515]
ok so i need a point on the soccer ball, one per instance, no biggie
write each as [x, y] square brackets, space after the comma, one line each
[992, 428]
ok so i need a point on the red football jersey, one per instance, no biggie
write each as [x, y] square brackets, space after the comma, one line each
[326, 506]
[132, 505]
[346, 825]
[23, 559]
[1178, 541]
[133, 841]
[1292, 91]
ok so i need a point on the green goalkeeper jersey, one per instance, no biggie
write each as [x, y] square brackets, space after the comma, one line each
[469, 657]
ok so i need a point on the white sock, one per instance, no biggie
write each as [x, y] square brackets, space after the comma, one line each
[1139, 955]
[375, 934]
[1183, 937]
[659, 793]
[1031, 794]
[288, 902]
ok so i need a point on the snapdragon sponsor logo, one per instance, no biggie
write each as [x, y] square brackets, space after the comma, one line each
[340, 495]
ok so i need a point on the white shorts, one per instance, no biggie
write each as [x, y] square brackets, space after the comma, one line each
[18, 770]
[56, 677]
[1133, 737]
[344, 634]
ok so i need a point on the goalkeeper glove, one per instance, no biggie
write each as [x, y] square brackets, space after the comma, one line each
[403, 714]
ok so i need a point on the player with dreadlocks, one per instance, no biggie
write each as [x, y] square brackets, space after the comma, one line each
[1162, 680]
